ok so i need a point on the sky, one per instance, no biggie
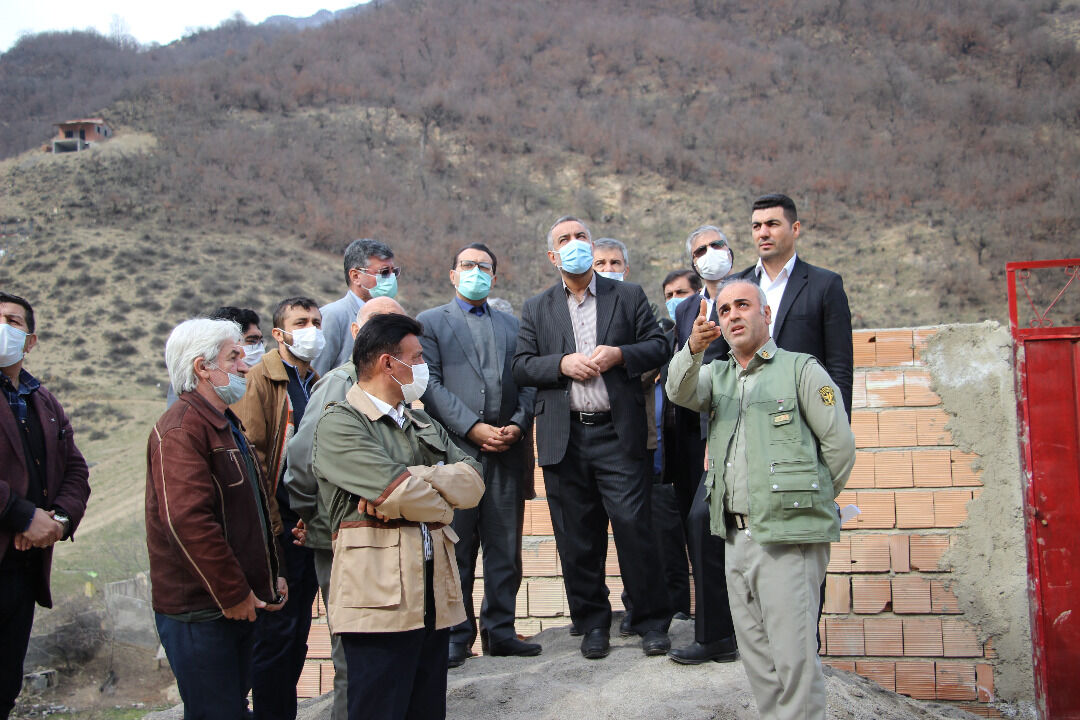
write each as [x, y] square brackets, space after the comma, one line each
[147, 22]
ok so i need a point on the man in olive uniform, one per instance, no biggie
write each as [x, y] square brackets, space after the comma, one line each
[391, 479]
[780, 451]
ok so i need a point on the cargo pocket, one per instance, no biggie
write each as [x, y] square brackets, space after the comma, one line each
[795, 483]
[782, 425]
[452, 585]
[367, 562]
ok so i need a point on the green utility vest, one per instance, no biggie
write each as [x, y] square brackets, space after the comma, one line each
[790, 489]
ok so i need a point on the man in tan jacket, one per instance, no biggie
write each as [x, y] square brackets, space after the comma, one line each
[390, 478]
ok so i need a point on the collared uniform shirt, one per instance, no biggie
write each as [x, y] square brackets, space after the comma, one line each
[774, 289]
[589, 395]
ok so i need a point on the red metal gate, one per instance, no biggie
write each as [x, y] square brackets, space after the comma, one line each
[1047, 362]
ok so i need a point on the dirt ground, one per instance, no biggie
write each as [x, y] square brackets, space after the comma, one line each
[121, 681]
[627, 685]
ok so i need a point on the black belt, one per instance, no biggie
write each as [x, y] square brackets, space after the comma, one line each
[590, 418]
[739, 521]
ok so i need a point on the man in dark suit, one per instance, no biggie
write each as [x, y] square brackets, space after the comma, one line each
[810, 308]
[468, 347]
[43, 491]
[584, 344]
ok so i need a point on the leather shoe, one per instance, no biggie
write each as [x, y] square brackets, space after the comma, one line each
[697, 652]
[626, 627]
[655, 642]
[595, 644]
[513, 647]
[680, 615]
[459, 653]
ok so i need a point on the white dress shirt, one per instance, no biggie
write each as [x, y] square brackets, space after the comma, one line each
[774, 289]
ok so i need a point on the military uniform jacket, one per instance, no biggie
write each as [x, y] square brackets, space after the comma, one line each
[413, 474]
[798, 451]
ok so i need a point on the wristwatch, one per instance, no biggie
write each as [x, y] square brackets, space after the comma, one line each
[63, 520]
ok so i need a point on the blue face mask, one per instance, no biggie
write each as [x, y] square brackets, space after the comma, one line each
[575, 257]
[232, 392]
[474, 284]
[384, 286]
[611, 275]
[673, 303]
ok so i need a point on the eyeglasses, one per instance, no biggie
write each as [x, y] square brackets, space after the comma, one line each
[715, 245]
[470, 264]
[383, 273]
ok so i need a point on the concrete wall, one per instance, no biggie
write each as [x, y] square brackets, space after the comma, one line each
[926, 588]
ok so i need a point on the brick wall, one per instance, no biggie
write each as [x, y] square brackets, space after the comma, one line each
[889, 612]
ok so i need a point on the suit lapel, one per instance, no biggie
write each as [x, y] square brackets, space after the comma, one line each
[795, 284]
[605, 306]
[11, 431]
[455, 318]
[501, 331]
[561, 313]
[48, 428]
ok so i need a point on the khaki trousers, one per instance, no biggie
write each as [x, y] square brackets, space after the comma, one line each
[774, 593]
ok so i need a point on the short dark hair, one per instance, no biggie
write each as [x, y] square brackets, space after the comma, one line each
[9, 298]
[288, 303]
[360, 251]
[482, 248]
[382, 333]
[690, 275]
[241, 316]
[777, 200]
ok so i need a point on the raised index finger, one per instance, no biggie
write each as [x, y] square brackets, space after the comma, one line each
[703, 311]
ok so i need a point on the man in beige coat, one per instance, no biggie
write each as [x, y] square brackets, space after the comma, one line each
[390, 478]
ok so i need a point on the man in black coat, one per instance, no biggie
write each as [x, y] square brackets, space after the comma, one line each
[584, 344]
[810, 308]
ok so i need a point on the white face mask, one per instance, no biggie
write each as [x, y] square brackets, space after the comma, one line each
[414, 390]
[714, 264]
[611, 275]
[307, 343]
[253, 354]
[12, 342]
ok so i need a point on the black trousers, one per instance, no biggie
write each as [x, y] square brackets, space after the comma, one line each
[17, 587]
[281, 639]
[596, 482]
[399, 675]
[671, 540]
[712, 620]
[495, 524]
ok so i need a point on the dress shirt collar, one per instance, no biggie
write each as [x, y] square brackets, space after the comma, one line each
[591, 290]
[397, 414]
[478, 310]
[784, 273]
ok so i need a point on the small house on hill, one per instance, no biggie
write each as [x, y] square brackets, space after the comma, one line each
[75, 135]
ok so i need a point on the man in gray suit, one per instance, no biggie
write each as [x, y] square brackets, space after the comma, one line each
[468, 346]
[584, 344]
[369, 272]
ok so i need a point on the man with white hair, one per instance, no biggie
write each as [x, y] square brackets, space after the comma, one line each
[303, 487]
[213, 556]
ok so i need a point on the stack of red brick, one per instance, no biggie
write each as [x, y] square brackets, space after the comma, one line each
[889, 612]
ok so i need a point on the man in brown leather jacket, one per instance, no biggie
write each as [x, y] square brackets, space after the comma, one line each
[213, 559]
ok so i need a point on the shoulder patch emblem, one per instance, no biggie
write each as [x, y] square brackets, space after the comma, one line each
[827, 395]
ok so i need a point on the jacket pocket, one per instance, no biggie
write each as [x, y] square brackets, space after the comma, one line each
[794, 483]
[370, 567]
[783, 421]
[229, 466]
[452, 582]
